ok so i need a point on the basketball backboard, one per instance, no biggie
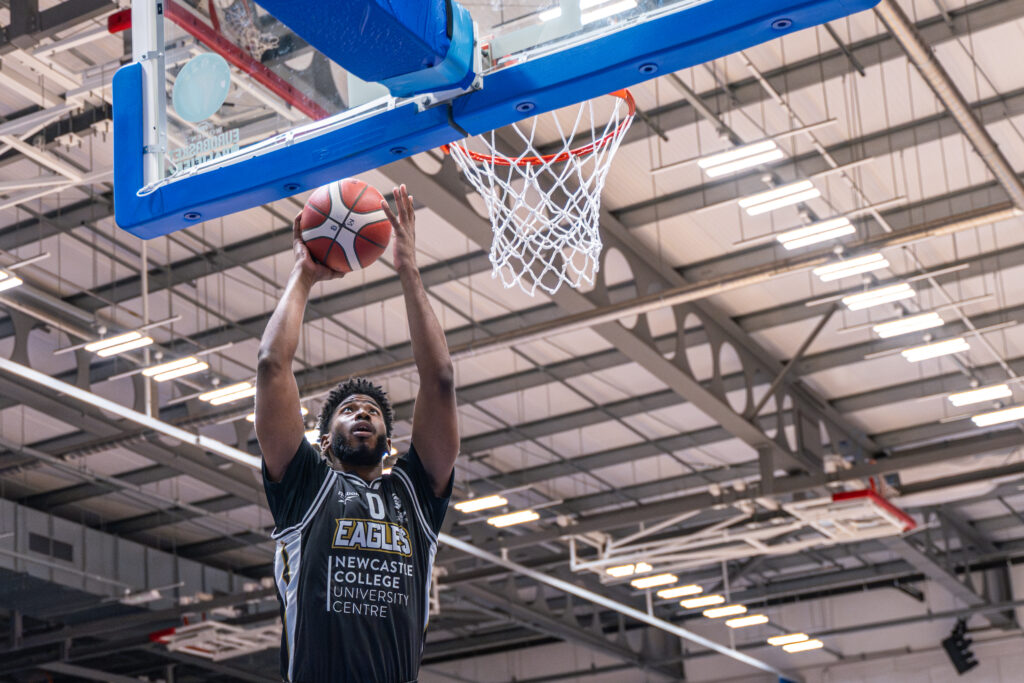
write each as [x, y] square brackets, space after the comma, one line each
[225, 107]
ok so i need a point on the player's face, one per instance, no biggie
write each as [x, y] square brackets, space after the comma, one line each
[358, 432]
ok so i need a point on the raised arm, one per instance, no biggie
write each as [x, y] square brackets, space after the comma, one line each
[279, 426]
[435, 427]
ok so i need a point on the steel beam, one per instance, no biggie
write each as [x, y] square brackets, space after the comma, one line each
[224, 672]
[77, 671]
[564, 628]
[445, 193]
[935, 75]
[601, 600]
[503, 324]
[915, 457]
[184, 458]
[833, 64]
[134, 525]
[78, 492]
[49, 22]
[873, 145]
[927, 565]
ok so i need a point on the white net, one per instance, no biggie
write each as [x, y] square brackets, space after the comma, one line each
[545, 209]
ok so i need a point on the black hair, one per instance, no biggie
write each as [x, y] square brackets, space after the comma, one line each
[356, 385]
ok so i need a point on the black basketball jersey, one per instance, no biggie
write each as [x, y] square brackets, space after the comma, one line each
[352, 567]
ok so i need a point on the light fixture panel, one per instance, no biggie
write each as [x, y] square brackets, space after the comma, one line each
[992, 393]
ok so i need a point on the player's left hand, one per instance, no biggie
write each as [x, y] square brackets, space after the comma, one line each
[404, 227]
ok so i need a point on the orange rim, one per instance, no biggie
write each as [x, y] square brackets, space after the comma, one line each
[623, 94]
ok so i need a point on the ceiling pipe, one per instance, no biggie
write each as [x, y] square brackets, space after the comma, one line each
[941, 83]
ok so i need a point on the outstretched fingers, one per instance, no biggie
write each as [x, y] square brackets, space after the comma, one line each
[390, 214]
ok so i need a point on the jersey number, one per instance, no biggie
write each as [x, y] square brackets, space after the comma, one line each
[376, 505]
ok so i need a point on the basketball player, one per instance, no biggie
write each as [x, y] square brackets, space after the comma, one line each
[355, 548]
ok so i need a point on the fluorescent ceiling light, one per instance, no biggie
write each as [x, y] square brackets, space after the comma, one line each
[140, 598]
[216, 393]
[913, 323]
[854, 266]
[181, 372]
[775, 193]
[740, 158]
[167, 367]
[999, 416]
[727, 611]
[8, 281]
[936, 350]
[804, 646]
[680, 591]
[784, 201]
[606, 11]
[478, 504]
[514, 518]
[230, 398]
[127, 346]
[879, 296]
[112, 341]
[652, 581]
[743, 622]
[763, 202]
[787, 639]
[706, 601]
[555, 12]
[992, 393]
[744, 152]
[628, 569]
[749, 162]
[816, 232]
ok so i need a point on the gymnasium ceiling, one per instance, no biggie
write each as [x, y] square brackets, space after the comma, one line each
[600, 428]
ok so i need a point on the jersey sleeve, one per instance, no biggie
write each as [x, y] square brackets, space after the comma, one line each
[432, 506]
[290, 498]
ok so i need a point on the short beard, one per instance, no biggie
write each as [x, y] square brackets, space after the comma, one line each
[360, 456]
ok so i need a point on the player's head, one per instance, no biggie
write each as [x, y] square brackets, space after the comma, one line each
[355, 423]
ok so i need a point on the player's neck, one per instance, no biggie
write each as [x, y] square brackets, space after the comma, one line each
[365, 472]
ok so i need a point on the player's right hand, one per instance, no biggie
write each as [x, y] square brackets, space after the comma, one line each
[304, 261]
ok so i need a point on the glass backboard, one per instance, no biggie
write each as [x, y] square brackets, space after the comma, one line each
[226, 107]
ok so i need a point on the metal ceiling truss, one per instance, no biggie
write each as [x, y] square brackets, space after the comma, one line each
[772, 570]
[943, 551]
[28, 25]
[590, 461]
[818, 424]
[603, 519]
[833, 64]
[584, 627]
[326, 375]
[445, 189]
[777, 587]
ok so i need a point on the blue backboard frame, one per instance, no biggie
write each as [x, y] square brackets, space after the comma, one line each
[583, 71]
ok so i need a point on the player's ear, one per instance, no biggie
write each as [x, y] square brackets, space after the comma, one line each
[388, 442]
[325, 442]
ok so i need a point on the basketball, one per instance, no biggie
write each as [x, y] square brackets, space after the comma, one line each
[343, 225]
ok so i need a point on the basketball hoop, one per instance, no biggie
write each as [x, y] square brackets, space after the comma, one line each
[545, 208]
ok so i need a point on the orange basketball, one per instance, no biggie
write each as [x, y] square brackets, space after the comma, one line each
[343, 225]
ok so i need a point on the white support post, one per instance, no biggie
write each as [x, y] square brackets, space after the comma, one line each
[148, 50]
